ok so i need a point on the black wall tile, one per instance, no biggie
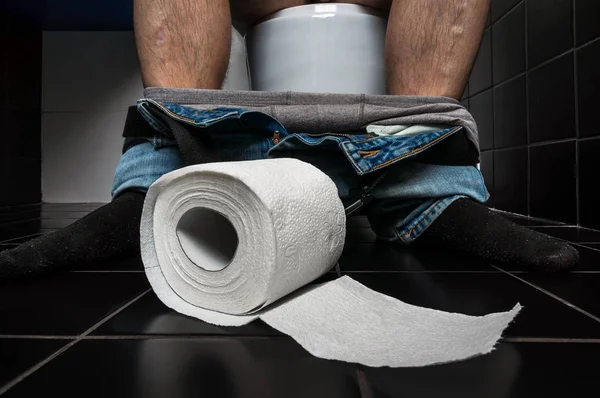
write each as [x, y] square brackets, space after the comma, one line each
[481, 106]
[551, 101]
[552, 184]
[589, 164]
[549, 29]
[588, 84]
[487, 169]
[500, 7]
[20, 102]
[23, 181]
[24, 68]
[587, 17]
[510, 113]
[465, 103]
[508, 45]
[510, 180]
[24, 140]
[481, 75]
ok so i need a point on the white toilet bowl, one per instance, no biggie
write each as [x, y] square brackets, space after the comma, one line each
[335, 48]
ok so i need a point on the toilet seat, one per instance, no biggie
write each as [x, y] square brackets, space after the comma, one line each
[327, 47]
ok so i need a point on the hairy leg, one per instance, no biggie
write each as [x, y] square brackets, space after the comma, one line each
[431, 45]
[183, 43]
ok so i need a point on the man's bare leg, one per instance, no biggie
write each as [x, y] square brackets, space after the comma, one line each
[431, 45]
[430, 49]
[183, 43]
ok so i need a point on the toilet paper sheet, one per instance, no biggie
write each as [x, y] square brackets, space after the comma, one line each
[232, 242]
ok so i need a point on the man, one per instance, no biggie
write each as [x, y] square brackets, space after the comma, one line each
[430, 49]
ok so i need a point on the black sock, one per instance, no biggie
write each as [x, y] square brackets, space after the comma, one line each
[111, 231]
[471, 228]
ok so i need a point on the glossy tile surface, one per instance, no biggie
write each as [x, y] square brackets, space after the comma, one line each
[482, 293]
[138, 347]
[572, 234]
[18, 355]
[481, 75]
[582, 290]
[588, 78]
[508, 45]
[553, 195]
[482, 109]
[67, 304]
[588, 182]
[552, 106]
[520, 370]
[510, 180]
[510, 114]
[587, 15]
[209, 367]
[549, 29]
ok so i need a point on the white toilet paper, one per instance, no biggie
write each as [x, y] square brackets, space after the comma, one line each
[227, 242]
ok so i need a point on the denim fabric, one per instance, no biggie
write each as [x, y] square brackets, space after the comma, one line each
[408, 195]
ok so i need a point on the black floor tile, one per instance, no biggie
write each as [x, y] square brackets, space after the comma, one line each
[19, 229]
[149, 316]
[207, 367]
[581, 290]
[56, 223]
[360, 235]
[7, 246]
[512, 370]
[17, 215]
[64, 214]
[120, 264]
[483, 293]
[20, 240]
[18, 355]
[572, 234]
[68, 304]
[381, 256]
[357, 221]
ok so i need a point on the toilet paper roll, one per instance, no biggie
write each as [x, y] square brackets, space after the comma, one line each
[232, 242]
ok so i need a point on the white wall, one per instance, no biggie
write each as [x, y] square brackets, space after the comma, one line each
[88, 81]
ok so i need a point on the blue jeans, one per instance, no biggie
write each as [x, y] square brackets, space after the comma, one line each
[404, 198]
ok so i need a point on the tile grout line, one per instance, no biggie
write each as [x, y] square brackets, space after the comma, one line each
[527, 110]
[554, 296]
[40, 364]
[548, 340]
[508, 12]
[107, 271]
[182, 337]
[36, 337]
[576, 110]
